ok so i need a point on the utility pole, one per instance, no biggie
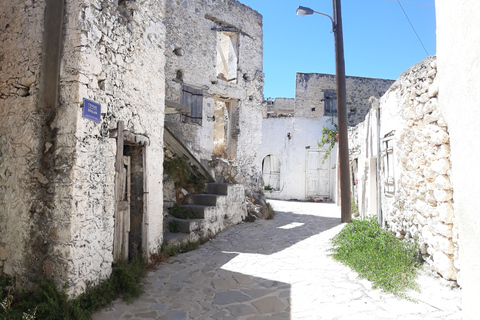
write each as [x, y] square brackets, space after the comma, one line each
[346, 212]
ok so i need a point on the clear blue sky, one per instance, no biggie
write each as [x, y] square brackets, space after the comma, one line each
[379, 41]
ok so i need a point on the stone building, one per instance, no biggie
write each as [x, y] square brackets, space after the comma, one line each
[214, 86]
[81, 182]
[416, 190]
[292, 164]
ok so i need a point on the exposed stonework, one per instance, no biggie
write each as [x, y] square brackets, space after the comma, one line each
[415, 160]
[58, 168]
[313, 89]
[214, 85]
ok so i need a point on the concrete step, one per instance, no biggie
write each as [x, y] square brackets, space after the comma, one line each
[217, 188]
[203, 199]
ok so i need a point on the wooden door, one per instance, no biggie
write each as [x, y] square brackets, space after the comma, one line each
[271, 172]
[122, 212]
[317, 175]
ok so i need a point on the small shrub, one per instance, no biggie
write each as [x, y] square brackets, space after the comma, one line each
[377, 255]
[268, 188]
[270, 212]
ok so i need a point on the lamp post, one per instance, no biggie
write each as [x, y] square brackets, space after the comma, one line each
[341, 106]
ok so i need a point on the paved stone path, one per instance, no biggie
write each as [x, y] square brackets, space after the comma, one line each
[277, 269]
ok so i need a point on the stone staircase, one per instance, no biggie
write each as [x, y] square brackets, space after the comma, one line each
[221, 206]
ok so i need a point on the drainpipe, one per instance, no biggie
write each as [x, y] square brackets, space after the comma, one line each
[376, 106]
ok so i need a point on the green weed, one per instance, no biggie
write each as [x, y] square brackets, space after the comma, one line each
[182, 213]
[377, 255]
[47, 302]
[270, 212]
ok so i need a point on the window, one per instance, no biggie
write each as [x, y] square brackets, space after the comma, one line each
[192, 99]
[329, 103]
[227, 56]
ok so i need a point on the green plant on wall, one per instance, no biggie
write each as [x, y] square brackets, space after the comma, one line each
[328, 138]
[182, 175]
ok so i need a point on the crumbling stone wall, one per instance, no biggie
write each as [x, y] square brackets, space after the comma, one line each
[193, 31]
[120, 65]
[21, 144]
[57, 168]
[311, 90]
[416, 193]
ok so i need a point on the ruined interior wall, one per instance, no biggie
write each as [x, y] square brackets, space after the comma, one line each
[191, 33]
[309, 94]
[362, 144]
[420, 205]
[22, 183]
[113, 55]
[458, 52]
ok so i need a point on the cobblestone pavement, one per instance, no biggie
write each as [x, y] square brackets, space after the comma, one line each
[277, 269]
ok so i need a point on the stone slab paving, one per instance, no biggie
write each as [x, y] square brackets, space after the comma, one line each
[277, 269]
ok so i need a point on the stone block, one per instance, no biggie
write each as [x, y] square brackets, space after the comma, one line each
[440, 138]
[443, 182]
[444, 245]
[444, 265]
[441, 166]
[442, 195]
[443, 229]
[445, 212]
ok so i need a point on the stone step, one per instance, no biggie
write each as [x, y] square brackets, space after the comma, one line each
[217, 188]
[204, 199]
[203, 211]
[175, 239]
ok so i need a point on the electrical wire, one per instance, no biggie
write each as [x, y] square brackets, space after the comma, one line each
[413, 27]
[416, 4]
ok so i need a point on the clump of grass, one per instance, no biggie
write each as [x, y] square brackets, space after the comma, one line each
[47, 302]
[270, 212]
[173, 226]
[182, 213]
[174, 250]
[377, 255]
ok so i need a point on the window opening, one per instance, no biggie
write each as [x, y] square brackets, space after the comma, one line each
[227, 56]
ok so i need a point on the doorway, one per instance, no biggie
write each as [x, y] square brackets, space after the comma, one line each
[224, 129]
[317, 175]
[130, 191]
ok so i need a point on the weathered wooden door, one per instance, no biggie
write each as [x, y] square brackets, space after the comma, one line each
[317, 175]
[271, 172]
[122, 213]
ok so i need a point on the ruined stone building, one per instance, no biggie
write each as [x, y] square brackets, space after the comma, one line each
[292, 164]
[416, 193]
[429, 173]
[214, 86]
[81, 181]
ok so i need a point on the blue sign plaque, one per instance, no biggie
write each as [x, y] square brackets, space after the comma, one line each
[91, 110]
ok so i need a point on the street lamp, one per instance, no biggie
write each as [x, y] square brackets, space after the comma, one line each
[341, 105]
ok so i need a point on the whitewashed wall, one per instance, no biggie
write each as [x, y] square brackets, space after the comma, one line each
[458, 51]
[292, 152]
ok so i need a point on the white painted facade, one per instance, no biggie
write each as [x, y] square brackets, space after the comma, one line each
[458, 51]
[293, 141]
